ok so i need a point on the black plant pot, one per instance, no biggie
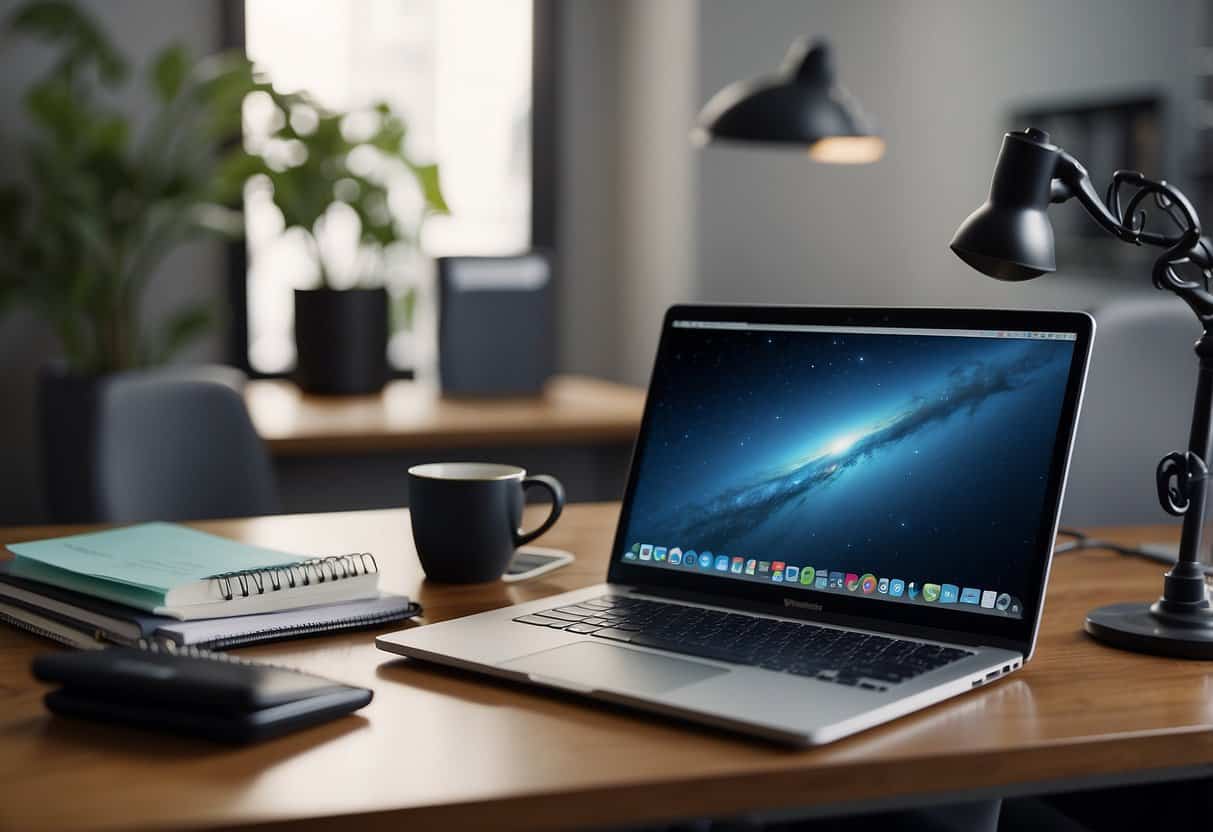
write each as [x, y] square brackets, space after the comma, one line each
[341, 340]
[67, 418]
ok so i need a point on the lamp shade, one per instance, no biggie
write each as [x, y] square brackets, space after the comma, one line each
[1010, 236]
[802, 105]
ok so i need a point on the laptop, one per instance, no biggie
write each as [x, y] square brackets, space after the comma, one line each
[834, 517]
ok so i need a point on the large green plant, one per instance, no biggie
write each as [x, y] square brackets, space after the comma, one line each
[98, 200]
[316, 157]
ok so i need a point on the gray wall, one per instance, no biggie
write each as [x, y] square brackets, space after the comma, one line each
[656, 267]
[941, 77]
[139, 27]
[649, 219]
[627, 96]
[588, 104]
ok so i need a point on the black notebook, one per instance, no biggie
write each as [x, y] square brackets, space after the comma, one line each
[215, 696]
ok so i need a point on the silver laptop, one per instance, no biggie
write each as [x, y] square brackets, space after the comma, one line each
[834, 517]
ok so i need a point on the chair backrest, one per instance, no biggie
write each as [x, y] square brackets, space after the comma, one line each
[179, 449]
[1137, 408]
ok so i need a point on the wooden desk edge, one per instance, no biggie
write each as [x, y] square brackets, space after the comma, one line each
[324, 444]
[1103, 761]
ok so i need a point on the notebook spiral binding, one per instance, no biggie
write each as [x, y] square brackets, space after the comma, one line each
[205, 654]
[153, 646]
[278, 633]
[304, 573]
[36, 630]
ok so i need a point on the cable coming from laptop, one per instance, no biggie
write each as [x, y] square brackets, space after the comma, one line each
[1083, 541]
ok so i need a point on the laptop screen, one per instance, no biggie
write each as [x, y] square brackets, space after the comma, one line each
[892, 464]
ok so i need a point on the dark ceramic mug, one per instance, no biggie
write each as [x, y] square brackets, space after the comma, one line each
[466, 517]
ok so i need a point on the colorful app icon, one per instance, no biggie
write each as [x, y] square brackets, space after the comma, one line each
[912, 590]
[738, 565]
[969, 595]
[1003, 602]
[705, 560]
[675, 556]
[987, 599]
[822, 581]
[633, 553]
[930, 593]
[806, 575]
[646, 552]
[777, 571]
[751, 566]
[883, 586]
[897, 588]
[852, 582]
[836, 580]
[722, 563]
[764, 566]
[948, 593]
[867, 583]
[659, 553]
[791, 573]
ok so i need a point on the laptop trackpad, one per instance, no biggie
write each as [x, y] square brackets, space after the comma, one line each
[605, 666]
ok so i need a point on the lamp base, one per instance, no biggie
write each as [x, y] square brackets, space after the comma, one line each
[1134, 627]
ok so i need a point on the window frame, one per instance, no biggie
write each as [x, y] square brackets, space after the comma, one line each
[544, 171]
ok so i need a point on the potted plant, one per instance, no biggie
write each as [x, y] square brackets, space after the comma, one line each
[321, 164]
[97, 201]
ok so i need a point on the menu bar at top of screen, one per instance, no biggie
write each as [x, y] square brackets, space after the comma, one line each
[878, 330]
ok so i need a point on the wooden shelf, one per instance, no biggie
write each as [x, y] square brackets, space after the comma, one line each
[412, 415]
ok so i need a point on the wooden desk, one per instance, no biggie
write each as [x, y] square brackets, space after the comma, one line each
[351, 452]
[438, 748]
[410, 415]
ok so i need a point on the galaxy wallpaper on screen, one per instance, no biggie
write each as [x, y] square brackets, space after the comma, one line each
[921, 457]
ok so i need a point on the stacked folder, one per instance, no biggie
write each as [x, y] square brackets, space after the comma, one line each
[160, 582]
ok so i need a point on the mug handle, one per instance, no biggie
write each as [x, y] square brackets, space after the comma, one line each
[556, 490]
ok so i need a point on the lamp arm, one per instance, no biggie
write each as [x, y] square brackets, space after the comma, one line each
[1072, 181]
[1127, 223]
[1181, 477]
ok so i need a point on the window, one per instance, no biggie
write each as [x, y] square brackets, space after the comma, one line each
[460, 73]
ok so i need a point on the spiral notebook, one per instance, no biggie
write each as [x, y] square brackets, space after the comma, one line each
[81, 621]
[179, 572]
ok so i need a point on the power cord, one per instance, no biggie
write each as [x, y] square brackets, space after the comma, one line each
[1084, 541]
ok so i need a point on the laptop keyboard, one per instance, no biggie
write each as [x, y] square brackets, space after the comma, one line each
[845, 657]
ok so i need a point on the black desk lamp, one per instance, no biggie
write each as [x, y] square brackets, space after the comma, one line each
[802, 106]
[1010, 238]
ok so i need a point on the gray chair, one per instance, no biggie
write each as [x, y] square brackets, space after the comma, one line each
[179, 448]
[1138, 407]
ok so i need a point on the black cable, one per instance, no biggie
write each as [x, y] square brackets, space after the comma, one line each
[1084, 541]
[1080, 539]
